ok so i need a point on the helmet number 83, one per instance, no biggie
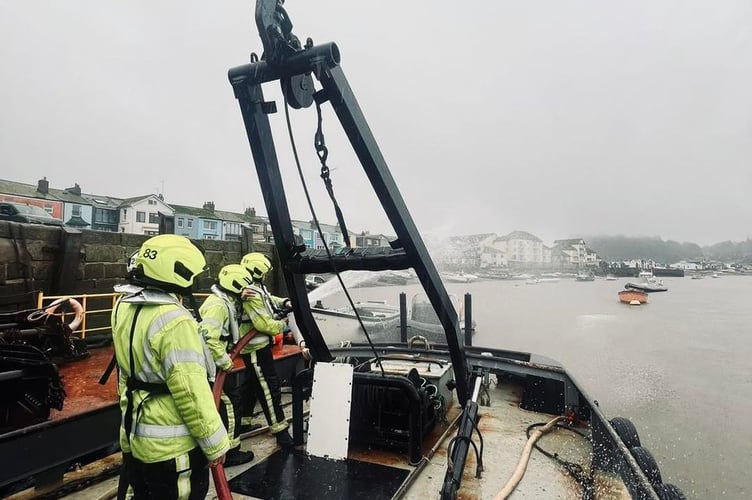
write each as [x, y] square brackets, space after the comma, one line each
[149, 254]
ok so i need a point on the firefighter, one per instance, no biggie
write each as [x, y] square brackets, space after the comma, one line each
[220, 318]
[170, 429]
[265, 312]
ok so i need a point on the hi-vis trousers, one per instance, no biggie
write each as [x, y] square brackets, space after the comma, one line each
[263, 386]
[185, 477]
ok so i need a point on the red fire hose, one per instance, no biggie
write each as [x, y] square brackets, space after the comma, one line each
[218, 471]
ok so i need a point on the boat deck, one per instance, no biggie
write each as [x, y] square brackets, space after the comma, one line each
[88, 422]
[503, 427]
[83, 392]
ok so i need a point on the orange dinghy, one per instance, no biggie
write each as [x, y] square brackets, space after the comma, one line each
[633, 297]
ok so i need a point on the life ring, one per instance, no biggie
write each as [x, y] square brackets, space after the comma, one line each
[77, 309]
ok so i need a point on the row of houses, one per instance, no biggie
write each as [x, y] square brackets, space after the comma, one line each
[518, 249]
[149, 214]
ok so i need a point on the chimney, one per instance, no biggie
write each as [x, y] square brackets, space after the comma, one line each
[209, 205]
[160, 196]
[250, 211]
[76, 189]
[43, 185]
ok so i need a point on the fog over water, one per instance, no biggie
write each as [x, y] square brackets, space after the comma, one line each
[678, 367]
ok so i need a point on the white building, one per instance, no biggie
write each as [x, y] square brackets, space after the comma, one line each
[140, 215]
[522, 248]
[574, 252]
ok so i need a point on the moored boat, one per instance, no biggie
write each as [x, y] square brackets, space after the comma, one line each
[633, 296]
[647, 286]
[382, 321]
[648, 283]
[585, 276]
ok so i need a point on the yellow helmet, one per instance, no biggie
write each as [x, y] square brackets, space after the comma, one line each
[233, 278]
[257, 264]
[170, 262]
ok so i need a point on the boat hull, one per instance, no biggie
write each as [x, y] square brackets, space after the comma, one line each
[646, 287]
[630, 296]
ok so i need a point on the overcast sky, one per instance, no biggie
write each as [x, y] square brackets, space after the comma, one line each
[562, 118]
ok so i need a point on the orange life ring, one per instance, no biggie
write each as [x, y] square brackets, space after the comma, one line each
[77, 309]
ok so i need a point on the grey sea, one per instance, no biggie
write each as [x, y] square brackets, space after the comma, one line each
[680, 367]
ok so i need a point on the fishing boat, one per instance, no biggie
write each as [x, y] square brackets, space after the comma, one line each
[382, 321]
[633, 297]
[405, 419]
[647, 286]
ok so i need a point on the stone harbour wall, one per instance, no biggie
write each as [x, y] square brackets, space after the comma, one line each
[63, 261]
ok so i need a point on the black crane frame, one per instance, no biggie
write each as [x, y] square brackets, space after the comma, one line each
[409, 250]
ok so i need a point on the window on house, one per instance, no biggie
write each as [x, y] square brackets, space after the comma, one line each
[210, 225]
[140, 216]
[153, 218]
[152, 202]
[125, 214]
[180, 222]
[190, 223]
[76, 210]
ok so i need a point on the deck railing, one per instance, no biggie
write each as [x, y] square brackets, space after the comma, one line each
[44, 301]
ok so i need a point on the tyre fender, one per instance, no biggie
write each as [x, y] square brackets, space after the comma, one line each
[669, 492]
[648, 464]
[626, 430]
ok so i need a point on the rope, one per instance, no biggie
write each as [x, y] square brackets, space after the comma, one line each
[522, 465]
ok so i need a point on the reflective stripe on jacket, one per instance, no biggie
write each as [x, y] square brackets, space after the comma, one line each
[259, 312]
[167, 349]
[215, 328]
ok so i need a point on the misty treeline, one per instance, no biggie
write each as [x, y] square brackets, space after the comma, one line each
[619, 248]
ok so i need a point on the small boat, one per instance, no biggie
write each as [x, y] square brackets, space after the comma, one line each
[611, 277]
[648, 284]
[585, 276]
[633, 297]
[382, 321]
[715, 275]
[314, 281]
[548, 280]
[647, 287]
[697, 276]
[459, 277]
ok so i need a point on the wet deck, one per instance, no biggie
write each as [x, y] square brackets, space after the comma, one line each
[82, 388]
[502, 425]
[84, 393]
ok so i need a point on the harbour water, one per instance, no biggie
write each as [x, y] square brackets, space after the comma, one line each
[679, 367]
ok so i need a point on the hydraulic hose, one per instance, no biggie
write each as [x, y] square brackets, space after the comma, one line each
[522, 465]
[218, 471]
